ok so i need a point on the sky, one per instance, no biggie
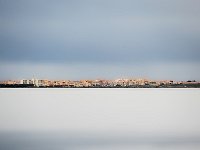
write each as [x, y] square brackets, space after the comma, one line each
[89, 39]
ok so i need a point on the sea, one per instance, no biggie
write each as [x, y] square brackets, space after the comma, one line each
[99, 119]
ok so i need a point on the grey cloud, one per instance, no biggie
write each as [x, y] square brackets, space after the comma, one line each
[111, 32]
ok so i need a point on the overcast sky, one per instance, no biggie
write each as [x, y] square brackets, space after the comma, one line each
[75, 39]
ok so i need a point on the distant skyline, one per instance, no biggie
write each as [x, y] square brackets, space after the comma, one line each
[89, 39]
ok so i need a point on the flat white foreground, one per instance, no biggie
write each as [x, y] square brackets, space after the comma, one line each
[145, 117]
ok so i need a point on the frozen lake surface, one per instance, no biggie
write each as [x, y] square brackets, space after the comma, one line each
[79, 119]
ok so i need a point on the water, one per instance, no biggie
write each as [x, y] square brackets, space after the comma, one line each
[99, 119]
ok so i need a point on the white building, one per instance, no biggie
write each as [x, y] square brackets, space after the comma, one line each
[32, 81]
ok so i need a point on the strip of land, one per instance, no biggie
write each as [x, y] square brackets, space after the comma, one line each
[99, 83]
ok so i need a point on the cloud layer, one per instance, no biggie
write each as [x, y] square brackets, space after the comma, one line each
[100, 32]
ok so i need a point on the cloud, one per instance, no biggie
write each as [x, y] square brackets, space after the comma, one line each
[96, 32]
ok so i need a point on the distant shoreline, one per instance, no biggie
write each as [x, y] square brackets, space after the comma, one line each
[133, 86]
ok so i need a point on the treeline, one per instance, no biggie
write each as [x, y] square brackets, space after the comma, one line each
[197, 85]
[16, 85]
[159, 86]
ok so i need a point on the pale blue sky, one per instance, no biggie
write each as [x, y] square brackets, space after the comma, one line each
[75, 39]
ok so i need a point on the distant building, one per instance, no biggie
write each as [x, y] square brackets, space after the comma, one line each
[32, 81]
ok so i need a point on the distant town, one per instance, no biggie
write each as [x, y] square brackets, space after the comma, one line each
[99, 83]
